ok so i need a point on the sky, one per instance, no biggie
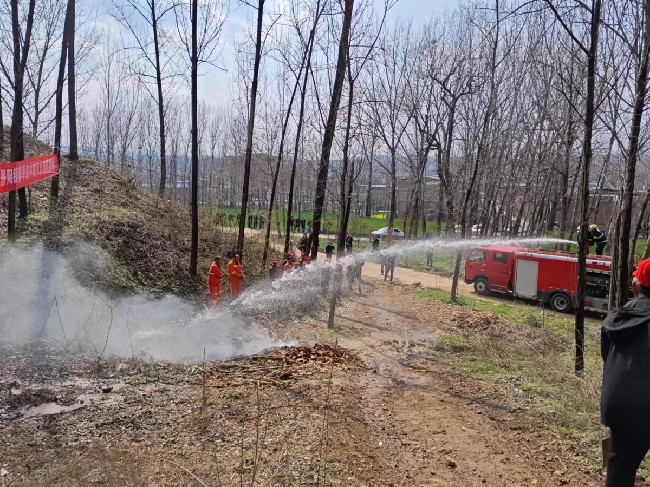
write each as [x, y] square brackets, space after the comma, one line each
[215, 84]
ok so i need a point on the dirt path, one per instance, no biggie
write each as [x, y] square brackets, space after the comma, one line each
[430, 425]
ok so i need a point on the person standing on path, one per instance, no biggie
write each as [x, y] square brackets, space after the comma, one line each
[389, 266]
[274, 271]
[375, 244]
[625, 397]
[214, 280]
[235, 276]
[325, 276]
[329, 251]
[349, 241]
[429, 259]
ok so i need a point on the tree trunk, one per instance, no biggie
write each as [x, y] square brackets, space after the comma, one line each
[72, 89]
[637, 229]
[622, 272]
[445, 174]
[251, 128]
[345, 207]
[485, 126]
[368, 208]
[161, 103]
[393, 195]
[330, 128]
[584, 187]
[276, 174]
[17, 151]
[296, 148]
[58, 110]
[345, 203]
[194, 253]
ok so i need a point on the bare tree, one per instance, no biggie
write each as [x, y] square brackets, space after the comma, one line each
[387, 89]
[641, 54]
[251, 125]
[482, 141]
[590, 51]
[205, 26]
[308, 47]
[72, 92]
[48, 20]
[58, 114]
[20, 55]
[330, 127]
[148, 23]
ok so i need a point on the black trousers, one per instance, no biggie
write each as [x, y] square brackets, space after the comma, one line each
[626, 452]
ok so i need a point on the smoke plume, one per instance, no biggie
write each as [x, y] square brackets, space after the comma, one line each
[42, 297]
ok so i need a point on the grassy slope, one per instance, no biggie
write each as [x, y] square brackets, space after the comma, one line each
[147, 239]
[534, 365]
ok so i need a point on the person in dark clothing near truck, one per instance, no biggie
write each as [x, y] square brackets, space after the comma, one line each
[598, 238]
[625, 398]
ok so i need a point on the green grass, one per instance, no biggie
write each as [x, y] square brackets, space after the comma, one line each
[442, 264]
[518, 313]
[358, 225]
[454, 341]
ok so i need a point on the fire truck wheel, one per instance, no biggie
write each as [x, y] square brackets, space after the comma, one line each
[560, 302]
[481, 286]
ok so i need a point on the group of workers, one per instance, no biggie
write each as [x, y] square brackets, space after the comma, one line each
[235, 272]
[292, 263]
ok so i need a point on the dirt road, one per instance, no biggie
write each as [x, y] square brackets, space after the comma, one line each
[426, 424]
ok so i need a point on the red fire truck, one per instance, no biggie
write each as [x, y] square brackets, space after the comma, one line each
[551, 277]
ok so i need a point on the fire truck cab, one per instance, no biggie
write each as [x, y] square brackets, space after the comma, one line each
[550, 277]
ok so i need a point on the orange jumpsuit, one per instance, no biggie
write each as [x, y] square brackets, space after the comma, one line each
[214, 281]
[235, 278]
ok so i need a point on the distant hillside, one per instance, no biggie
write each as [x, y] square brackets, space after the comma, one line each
[147, 239]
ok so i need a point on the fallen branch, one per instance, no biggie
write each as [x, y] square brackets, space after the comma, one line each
[189, 472]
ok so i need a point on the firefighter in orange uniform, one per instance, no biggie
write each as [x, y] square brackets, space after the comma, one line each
[235, 276]
[214, 279]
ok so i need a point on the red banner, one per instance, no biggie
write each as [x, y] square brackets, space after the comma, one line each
[15, 175]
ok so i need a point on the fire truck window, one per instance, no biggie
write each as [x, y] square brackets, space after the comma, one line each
[477, 256]
[500, 257]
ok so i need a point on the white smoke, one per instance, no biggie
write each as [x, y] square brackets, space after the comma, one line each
[41, 297]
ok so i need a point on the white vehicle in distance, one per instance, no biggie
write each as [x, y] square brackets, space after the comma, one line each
[382, 233]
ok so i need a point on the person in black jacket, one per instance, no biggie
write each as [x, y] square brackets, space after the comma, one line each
[329, 251]
[625, 398]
